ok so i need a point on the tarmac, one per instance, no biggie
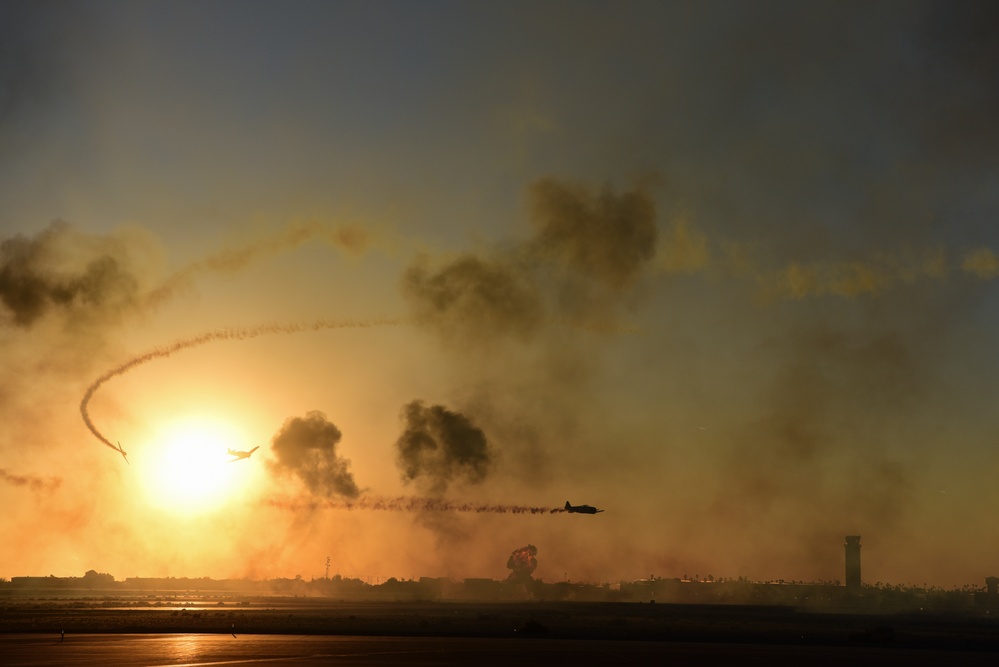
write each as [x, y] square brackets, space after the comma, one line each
[155, 632]
[190, 650]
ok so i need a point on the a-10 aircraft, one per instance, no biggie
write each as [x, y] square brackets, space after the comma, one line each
[580, 509]
[123, 453]
[239, 454]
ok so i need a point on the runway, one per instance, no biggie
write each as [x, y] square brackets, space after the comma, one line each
[191, 650]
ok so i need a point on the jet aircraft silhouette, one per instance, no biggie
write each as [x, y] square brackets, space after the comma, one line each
[123, 453]
[240, 454]
[580, 509]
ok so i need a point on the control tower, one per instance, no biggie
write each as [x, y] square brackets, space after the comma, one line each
[853, 561]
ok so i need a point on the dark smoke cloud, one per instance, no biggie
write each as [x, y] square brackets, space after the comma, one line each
[439, 446]
[61, 269]
[35, 483]
[578, 271]
[590, 246]
[473, 297]
[306, 447]
[522, 563]
[597, 235]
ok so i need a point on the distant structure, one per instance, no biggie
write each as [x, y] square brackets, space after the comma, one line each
[853, 561]
[992, 586]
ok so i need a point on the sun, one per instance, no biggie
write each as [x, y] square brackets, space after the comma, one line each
[187, 470]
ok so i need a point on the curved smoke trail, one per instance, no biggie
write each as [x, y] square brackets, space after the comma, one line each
[408, 504]
[241, 333]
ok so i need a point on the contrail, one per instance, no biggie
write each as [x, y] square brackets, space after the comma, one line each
[240, 333]
[409, 504]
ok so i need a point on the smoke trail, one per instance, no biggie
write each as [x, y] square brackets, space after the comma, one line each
[349, 238]
[241, 333]
[36, 483]
[408, 504]
[982, 263]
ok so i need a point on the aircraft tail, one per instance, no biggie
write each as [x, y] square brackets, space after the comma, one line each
[231, 452]
[567, 505]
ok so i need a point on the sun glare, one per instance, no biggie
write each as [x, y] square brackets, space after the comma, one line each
[188, 470]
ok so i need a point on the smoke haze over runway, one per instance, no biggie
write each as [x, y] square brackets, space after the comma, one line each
[701, 264]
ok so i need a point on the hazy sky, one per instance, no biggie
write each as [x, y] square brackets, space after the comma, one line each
[724, 269]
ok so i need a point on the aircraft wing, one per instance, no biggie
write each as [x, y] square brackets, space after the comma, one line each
[241, 454]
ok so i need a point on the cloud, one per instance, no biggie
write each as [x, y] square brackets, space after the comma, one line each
[306, 447]
[438, 447]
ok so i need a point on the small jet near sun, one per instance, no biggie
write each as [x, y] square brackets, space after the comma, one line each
[123, 453]
[580, 509]
[239, 454]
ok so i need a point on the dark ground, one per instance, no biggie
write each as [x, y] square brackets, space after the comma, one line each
[969, 631]
[202, 650]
